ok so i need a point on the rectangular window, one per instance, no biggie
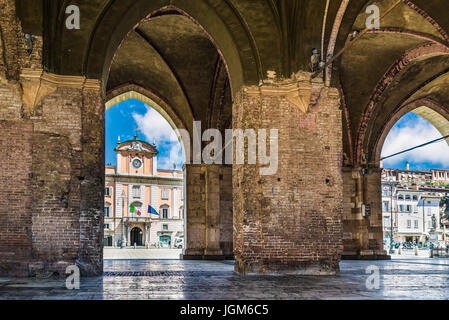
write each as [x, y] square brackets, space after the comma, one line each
[386, 206]
[107, 192]
[165, 227]
[416, 224]
[165, 193]
[387, 222]
[401, 208]
[136, 191]
[409, 209]
[106, 212]
[106, 226]
[409, 224]
[165, 213]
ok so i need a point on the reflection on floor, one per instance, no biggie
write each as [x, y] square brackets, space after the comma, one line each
[141, 253]
[401, 278]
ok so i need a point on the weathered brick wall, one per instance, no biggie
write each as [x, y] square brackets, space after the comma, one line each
[290, 222]
[52, 166]
[209, 212]
[373, 197]
[12, 49]
[352, 215]
[226, 210]
[16, 140]
[65, 182]
[195, 219]
[92, 182]
[55, 218]
[10, 40]
[363, 236]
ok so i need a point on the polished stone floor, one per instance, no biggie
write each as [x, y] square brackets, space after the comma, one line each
[141, 254]
[402, 278]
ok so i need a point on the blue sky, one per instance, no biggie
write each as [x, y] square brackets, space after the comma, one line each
[131, 116]
[410, 131]
[125, 118]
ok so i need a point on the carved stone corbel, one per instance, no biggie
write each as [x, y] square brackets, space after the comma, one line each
[301, 97]
[34, 89]
[37, 84]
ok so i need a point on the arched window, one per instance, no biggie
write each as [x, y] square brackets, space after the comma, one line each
[407, 197]
[181, 212]
[400, 197]
[415, 198]
[164, 212]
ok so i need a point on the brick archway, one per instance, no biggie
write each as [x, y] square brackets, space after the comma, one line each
[208, 204]
[435, 113]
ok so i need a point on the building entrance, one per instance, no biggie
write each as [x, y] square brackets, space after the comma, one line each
[136, 237]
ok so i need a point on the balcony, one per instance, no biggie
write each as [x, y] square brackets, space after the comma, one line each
[136, 219]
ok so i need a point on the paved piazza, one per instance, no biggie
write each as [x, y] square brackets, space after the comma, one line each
[401, 278]
[139, 254]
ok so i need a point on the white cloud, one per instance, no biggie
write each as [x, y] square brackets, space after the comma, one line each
[413, 134]
[156, 129]
[154, 126]
[174, 156]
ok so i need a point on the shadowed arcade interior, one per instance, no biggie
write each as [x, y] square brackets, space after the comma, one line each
[229, 64]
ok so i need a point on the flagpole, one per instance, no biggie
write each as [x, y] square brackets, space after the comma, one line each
[123, 219]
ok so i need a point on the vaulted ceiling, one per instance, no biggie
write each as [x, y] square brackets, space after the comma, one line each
[172, 56]
[196, 54]
[387, 69]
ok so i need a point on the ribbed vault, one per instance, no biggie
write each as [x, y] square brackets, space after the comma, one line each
[387, 69]
[217, 46]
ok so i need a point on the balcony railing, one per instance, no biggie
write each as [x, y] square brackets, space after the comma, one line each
[137, 219]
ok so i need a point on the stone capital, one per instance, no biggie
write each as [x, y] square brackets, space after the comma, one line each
[297, 91]
[37, 84]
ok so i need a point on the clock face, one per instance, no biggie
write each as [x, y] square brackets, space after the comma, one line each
[137, 163]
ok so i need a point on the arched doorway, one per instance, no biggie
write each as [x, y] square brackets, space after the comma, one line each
[136, 237]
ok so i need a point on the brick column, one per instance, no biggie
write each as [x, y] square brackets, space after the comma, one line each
[203, 212]
[90, 257]
[290, 222]
[363, 236]
[226, 213]
[52, 149]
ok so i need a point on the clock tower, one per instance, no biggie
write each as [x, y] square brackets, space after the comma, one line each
[136, 157]
[144, 206]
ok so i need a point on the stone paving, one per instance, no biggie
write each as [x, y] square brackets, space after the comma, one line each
[402, 278]
[141, 253]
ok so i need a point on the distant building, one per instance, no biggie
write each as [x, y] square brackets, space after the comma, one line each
[144, 206]
[433, 176]
[413, 199]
